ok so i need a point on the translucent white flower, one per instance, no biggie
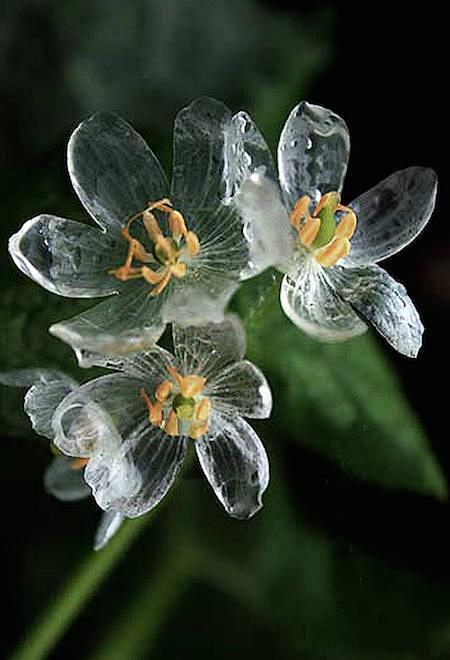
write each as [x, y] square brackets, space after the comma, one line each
[64, 477]
[155, 405]
[161, 253]
[329, 252]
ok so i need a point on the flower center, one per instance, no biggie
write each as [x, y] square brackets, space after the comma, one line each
[178, 406]
[327, 236]
[168, 253]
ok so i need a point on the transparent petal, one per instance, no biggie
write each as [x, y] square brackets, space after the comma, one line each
[64, 483]
[200, 299]
[245, 151]
[132, 463]
[114, 172]
[157, 457]
[235, 463]
[313, 153]
[128, 322]
[207, 349]
[199, 191]
[310, 300]
[243, 388]
[109, 524]
[146, 365]
[266, 223]
[392, 214]
[384, 303]
[48, 387]
[66, 257]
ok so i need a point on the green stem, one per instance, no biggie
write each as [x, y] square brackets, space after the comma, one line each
[82, 585]
[135, 630]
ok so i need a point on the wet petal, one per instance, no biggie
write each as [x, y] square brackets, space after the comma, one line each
[243, 388]
[207, 349]
[128, 322]
[391, 214]
[48, 387]
[108, 526]
[384, 303]
[200, 299]
[157, 457]
[313, 153]
[67, 257]
[64, 483]
[199, 190]
[235, 463]
[310, 301]
[266, 224]
[147, 365]
[113, 171]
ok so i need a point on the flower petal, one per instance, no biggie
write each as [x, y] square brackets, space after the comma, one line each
[310, 301]
[313, 153]
[266, 224]
[67, 257]
[128, 322]
[157, 457]
[200, 299]
[64, 483]
[243, 388]
[131, 464]
[384, 303]
[198, 187]
[114, 172]
[235, 463]
[207, 349]
[108, 526]
[147, 365]
[392, 214]
[48, 387]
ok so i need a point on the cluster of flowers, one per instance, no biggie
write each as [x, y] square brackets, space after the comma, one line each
[175, 254]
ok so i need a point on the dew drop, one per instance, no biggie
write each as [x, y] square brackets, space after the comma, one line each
[294, 143]
[308, 144]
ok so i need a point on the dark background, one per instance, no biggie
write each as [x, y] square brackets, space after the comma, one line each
[380, 66]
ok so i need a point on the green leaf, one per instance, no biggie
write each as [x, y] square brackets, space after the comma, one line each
[342, 400]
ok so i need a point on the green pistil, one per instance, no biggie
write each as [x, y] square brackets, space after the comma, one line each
[184, 407]
[327, 226]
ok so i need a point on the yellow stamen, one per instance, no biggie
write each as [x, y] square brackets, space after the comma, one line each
[155, 410]
[203, 410]
[192, 244]
[177, 225]
[171, 427]
[192, 385]
[309, 230]
[78, 463]
[197, 430]
[346, 225]
[164, 390]
[167, 251]
[331, 253]
[300, 211]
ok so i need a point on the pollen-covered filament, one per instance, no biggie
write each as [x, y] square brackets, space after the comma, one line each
[178, 406]
[321, 232]
[168, 254]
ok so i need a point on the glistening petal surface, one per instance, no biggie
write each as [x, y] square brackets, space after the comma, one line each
[310, 300]
[242, 388]
[235, 463]
[199, 190]
[128, 322]
[384, 303]
[208, 349]
[109, 524]
[66, 257]
[114, 172]
[313, 153]
[391, 214]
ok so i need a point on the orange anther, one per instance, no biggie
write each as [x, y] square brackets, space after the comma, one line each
[346, 225]
[309, 230]
[197, 430]
[151, 226]
[331, 253]
[177, 225]
[171, 427]
[192, 385]
[300, 210]
[163, 391]
[155, 410]
[179, 269]
[192, 244]
[203, 410]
